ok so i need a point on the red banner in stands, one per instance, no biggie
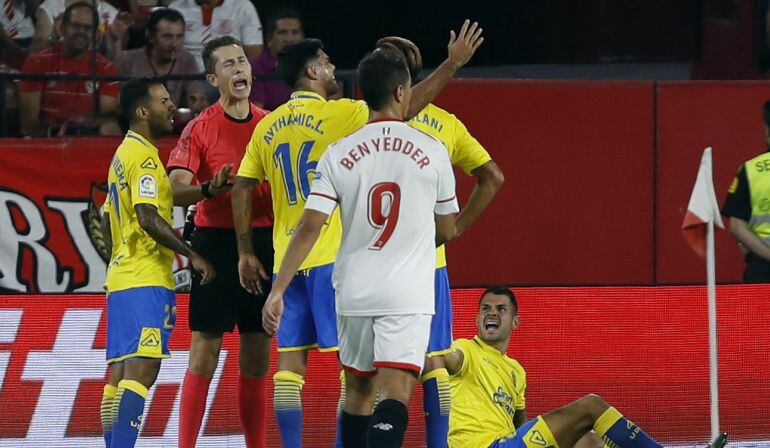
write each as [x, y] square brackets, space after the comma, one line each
[44, 194]
[645, 350]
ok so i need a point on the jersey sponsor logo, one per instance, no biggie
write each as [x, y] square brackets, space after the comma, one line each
[149, 164]
[147, 186]
[504, 400]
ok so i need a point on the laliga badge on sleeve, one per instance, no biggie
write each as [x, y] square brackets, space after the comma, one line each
[147, 188]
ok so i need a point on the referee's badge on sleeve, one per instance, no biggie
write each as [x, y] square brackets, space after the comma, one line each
[147, 188]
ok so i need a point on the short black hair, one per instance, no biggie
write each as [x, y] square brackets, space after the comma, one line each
[294, 59]
[767, 113]
[501, 290]
[159, 14]
[132, 94]
[209, 61]
[283, 13]
[379, 73]
[67, 16]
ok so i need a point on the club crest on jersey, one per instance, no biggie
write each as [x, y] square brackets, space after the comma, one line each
[147, 186]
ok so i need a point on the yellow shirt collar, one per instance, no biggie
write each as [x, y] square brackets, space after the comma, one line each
[306, 94]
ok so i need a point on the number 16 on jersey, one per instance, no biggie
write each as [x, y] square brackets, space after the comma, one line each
[282, 158]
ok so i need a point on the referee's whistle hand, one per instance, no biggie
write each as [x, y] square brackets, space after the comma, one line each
[206, 269]
[251, 273]
[271, 313]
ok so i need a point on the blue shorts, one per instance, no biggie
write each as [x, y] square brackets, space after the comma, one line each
[533, 434]
[440, 341]
[309, 318]
[139, 323]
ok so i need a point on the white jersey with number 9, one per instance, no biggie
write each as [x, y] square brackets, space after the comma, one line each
[389, 180]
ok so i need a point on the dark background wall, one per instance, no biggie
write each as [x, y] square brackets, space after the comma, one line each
[517, 31]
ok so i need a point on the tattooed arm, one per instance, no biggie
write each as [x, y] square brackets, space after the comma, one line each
[159, 230]
[250, 269]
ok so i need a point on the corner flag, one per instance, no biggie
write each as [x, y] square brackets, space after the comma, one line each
[703, 207]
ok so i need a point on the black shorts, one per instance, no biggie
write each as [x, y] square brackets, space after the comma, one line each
[218, 306]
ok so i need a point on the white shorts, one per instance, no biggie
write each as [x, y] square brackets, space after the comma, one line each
[368, 342]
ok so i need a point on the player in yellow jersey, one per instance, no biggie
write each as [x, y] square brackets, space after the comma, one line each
[284, 150]
[467, 153]
[488, 402]
[141, 307]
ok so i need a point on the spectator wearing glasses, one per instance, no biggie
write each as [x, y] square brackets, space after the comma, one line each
[68, 107]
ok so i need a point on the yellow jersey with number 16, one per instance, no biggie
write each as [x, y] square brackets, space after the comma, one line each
[284, 150]
[137, 176]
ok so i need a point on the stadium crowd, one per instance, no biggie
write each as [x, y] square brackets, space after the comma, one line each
[127, 38]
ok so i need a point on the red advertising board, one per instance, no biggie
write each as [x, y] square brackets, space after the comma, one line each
[644, 349]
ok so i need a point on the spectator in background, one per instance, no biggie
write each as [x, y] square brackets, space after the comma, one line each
[747, 207]
[112, 26]
[16, 31]
[209, 19]
[282, 28]
[67, 107]
[165, 55]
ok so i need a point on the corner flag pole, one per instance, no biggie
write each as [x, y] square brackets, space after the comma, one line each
[712, 305]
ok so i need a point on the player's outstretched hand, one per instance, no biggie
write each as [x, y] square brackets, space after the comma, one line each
[271, 313]
[222, 179]
[465, 43]
[206, 269]
[251, 273]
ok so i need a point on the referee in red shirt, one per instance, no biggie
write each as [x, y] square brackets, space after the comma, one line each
[217, 137]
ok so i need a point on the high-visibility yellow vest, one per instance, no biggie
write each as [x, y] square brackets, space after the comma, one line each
[758, 175]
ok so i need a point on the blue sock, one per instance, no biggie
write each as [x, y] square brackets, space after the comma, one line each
[108, 396]
[436, 403]
[617, 431]
[130, 407]
[287, 400]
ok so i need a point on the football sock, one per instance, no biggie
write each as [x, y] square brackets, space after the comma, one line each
[252, 406]
[340, 404]
[619, 432]
[130, 398]
[195, 389]
[353, 429]
[287, 400]
[436, 401]
[106, 412]
[388, 424]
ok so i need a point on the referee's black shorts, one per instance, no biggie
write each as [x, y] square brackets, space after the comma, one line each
[220, 305]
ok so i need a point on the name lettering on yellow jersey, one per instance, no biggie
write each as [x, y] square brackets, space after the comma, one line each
[428, 121]
[120, 172]
[306, 120]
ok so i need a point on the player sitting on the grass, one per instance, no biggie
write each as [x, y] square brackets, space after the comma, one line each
[488, 406]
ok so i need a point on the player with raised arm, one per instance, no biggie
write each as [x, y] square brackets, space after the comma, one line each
[394, 187]
[488, 395]
[467, 153]
[285, 150]
[218, 137]
[141, 306]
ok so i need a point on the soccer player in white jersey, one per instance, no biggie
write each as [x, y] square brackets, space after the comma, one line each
[396, 192]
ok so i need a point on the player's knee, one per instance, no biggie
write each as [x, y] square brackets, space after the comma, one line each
[145, 371]
[204, 361]
[253, 364]
[593, 405]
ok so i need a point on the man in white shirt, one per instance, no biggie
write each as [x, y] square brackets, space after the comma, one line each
[396, 192]
[208, 19]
